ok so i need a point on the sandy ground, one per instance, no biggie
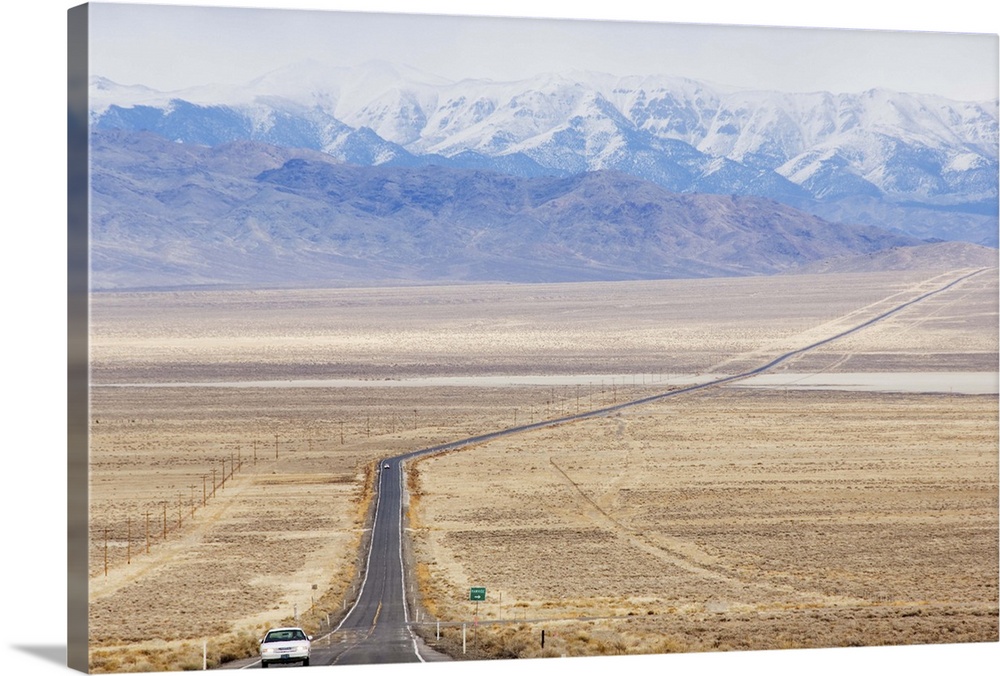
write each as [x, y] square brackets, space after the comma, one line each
[665, 493]
[732, 520]
[674, 326]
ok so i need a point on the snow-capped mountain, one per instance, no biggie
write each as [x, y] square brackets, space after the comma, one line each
[166, 214]
[933, 159]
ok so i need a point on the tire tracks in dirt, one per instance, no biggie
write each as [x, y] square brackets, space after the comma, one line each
[163, 554]
[686, 555]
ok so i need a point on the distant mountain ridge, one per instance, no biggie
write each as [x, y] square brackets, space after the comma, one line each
[921, 164]
[167, 214]
[932, 256]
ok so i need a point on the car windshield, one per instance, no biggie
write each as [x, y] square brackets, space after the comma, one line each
[285, 635]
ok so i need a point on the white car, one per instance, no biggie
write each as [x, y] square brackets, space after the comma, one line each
[284, 645]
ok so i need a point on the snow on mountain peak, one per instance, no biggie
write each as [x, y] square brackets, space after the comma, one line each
[829, 144]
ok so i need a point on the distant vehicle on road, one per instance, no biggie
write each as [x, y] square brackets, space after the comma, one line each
[385, 466]
[284, 645]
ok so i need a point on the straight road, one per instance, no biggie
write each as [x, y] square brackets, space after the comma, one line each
[376, 630]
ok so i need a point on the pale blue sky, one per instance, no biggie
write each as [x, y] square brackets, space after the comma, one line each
[172, 47]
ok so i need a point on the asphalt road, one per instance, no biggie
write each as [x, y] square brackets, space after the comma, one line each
[376, 629]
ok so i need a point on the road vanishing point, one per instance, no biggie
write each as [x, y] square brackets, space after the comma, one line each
[378, 628]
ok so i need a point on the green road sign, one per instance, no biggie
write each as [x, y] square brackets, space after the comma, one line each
[477, 594]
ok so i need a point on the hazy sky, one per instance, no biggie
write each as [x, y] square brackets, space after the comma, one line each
[172, 47]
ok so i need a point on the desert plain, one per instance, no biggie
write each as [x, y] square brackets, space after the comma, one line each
[234, 436]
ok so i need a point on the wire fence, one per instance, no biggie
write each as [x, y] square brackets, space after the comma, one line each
[118, 538]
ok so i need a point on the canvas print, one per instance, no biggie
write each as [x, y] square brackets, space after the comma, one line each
[415, 338]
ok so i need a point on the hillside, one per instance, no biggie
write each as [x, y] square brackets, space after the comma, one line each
[932, 256]
[921, 164]
[245, 213]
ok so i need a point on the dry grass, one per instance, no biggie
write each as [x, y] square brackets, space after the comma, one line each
[733, 521]
[249, 556]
